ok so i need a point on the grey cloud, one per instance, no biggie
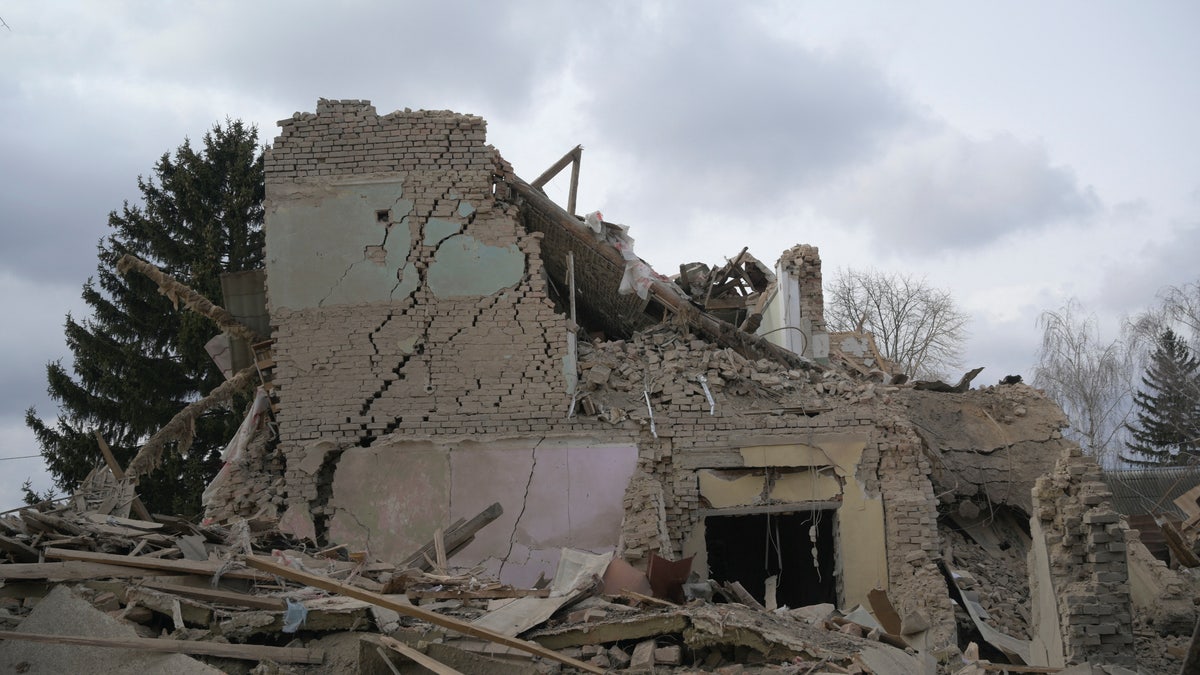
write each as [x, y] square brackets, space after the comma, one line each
[945, 191]
[1136, 274]
[42, 309]
[710, 108]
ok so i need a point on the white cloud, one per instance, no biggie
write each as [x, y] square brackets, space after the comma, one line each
[945, 191]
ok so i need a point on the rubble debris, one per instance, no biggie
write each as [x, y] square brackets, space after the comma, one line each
[964, 383]
[737, 292]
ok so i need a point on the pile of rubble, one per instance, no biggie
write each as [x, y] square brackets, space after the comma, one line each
[244, 599]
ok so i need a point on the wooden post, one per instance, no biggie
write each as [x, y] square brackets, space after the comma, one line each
[458, 536]
[572, 336]
[119, 474]
[557, 166]
[574, 180]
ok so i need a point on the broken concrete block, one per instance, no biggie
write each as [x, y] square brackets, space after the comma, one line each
[617, 657]
[597, 374]
[61, 612]
[643, 656]
[914, 621]
[814, 614]
[671, 655]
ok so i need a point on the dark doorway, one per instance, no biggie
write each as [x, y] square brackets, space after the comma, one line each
[751, 548]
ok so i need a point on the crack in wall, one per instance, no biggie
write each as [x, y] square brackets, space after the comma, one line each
[366, 530]
[512, 540]
[370, 251]
[317, 507]
[419, 257]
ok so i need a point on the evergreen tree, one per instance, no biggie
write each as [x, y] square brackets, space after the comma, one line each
[137, 360]
[1167, 430]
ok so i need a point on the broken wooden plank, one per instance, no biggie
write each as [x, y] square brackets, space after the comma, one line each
[884, 610]
[220, 597]
[743, 596]
[266, 565]
[545, 177]
[119, 474]
[143, 526]
[1183, 554]
[603, 632]
[207, 569]
[424, 659]
[480, 594]
[68, 571]
[646, 599]
[455, 538]
[227, 650]
[20, 551]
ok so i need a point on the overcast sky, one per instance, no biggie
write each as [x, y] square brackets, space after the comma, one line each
[1016, 153]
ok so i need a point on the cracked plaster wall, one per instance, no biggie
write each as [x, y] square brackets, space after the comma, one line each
[556, 493]
[407, 302]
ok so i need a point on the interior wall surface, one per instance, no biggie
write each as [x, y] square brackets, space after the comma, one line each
[805, 476]
[556, 493]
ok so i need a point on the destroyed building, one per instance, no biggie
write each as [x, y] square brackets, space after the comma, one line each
[445, 337]
[427, 364]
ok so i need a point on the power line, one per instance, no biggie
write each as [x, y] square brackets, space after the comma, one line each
[20, 457]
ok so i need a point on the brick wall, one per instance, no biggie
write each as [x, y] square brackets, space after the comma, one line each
[1084, 543]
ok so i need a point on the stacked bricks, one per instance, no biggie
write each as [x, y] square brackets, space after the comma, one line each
[254, 484]
[914, 545]
[1085, 543]
[643, 528]
[348, 137]
[804, 263]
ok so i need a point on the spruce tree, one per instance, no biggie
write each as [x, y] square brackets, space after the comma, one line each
[136, 360]
[1167, 430]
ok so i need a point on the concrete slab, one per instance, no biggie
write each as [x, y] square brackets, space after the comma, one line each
[62, 612]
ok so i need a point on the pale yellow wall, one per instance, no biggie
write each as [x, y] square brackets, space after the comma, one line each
[805, 486]
[724, 492]
[862, 548]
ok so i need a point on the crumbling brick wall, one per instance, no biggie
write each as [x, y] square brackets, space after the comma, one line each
[1079, 565]
[914, 544]
[804, 263]
[418, 330]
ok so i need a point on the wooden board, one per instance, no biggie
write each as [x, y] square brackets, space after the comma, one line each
[68, 571]
[425, 660]
[232, 651]
[220, 597]
[207, 569]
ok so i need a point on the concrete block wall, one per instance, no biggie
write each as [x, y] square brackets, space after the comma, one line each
[1082, 544]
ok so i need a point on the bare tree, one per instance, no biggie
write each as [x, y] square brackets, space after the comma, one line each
[917, 327]
[1092, 379]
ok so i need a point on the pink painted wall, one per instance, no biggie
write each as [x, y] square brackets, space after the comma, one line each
[555, 494]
